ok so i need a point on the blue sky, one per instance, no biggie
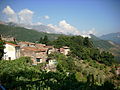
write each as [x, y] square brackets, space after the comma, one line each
[95, 16]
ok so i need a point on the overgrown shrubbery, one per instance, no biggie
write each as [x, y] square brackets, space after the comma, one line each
[1, 48]
[83, 48]
[21, 75]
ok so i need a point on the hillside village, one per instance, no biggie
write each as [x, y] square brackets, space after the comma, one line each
[47, 58]
[37, 52]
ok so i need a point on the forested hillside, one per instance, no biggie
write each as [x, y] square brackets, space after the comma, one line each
[115, 37]
[107, 46]
[71, 74]
[83, 48]
[100, 43]
[23, 34]
[84, 68]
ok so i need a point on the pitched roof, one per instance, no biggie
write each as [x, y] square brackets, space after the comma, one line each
[40, 45]
[62, 49]
[26, 42]
[65, 47]
[48, 46]
[33, 49]
[12, 44]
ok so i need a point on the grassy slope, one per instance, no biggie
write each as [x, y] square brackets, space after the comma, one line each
[104, 44]
[107, 46]
[23, 34]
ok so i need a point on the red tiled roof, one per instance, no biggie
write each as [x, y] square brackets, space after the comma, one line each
[40, 45]
[48, 46]
[12, 44]
[42, 49]
[33, 49]
[62, 50]
[26, 42]
[2, 23]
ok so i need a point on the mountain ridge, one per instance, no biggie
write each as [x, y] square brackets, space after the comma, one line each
[115, 37]
[23, 34]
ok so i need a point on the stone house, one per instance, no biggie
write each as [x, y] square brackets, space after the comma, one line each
[11, 51]
[40, 46]
[52, 62]
[51, 65]
[117, 70]
[8, 38]
[64, 50]
[26, 44]
[37, 55]
[50, 49]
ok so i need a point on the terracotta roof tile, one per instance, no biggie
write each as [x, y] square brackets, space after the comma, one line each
[48, 46]
[12, 44]
[26, 42]
[39, 45]
[33, 49]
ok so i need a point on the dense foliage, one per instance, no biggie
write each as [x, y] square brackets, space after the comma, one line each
[23, 34]
[19, 74]
[44, 40]
[83, 48]
[101, 43]
[1, 48]
[84, 68]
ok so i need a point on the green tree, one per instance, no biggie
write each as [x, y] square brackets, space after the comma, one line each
[87, 42]
[1, 48]
[107, 58]
[45, 40]
[41, 40]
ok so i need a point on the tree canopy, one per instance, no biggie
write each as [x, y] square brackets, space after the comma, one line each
[1, 48]
[83, 48]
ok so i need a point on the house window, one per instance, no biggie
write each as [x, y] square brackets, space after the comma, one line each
[38, 59]
[9, 58]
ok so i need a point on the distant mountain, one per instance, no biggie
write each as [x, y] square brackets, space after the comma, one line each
[43, 28]
[115, 37]
[106, 45]
[39, 27]
[23, 34]
[99, 43]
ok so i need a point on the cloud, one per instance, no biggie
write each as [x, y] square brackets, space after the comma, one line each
[68, 29]
[8, 10]
[22, 17]
[10, 13]
[25, 16]
[46, 17]
[91, 31]
[65, 28]
[87, 33]
[55, 28]
[37, 23]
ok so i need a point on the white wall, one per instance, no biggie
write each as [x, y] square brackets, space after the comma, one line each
[66, 51]
[52, 62]
[11, 51]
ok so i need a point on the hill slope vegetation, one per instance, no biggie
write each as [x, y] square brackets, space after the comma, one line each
[23, 34]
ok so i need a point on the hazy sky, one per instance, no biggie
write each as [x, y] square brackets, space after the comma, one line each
[87, 16]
